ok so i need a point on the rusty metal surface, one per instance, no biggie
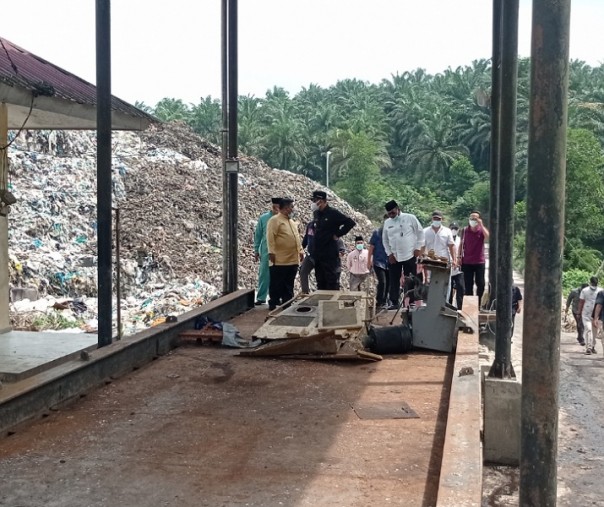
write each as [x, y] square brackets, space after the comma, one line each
[385, 410]
[202, 427]
[33, 72]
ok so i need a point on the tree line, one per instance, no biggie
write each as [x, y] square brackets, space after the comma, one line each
[423, 140]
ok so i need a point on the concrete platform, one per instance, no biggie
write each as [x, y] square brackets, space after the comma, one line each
[26, 353]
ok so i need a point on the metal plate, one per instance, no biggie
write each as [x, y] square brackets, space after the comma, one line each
[292, 320]
[316, 298]
[386, 410]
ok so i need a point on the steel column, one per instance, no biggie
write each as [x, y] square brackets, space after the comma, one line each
[544, 251]
[103, 192]
[494, 152]
[502, 365]
[229, 145]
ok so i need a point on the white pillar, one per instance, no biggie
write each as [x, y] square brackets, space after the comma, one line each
[4, 278]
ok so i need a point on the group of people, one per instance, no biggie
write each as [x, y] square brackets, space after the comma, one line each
[395, 247]
[280, 250]
[392, 252]
[587, 304]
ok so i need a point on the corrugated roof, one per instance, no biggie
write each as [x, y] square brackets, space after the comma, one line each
[22, 69]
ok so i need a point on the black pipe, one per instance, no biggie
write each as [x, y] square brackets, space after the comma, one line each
[544, 251]
[103, 192]
[233, 144]
[225, 145]
[502, 365]
[494, 152]
[118, 277]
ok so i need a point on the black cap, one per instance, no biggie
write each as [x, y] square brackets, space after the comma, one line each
[390, 205]
[286, 201]
[319, 194]
[454, 225]
[437, 214]
[358, 238]
[276, 200]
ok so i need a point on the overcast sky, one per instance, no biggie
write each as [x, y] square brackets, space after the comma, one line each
[172, 48]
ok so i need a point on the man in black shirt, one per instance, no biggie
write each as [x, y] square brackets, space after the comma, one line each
[331, 224]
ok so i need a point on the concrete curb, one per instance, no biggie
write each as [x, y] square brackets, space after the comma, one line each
[33, 396]
[460, 483]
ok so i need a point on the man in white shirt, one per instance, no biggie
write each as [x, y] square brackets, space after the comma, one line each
[440, 239]
[587, 302]
[403, 239]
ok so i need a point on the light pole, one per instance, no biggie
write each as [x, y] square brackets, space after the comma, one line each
[327, 155]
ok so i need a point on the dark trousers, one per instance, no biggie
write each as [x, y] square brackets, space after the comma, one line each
[281, 286]
[457, 285]
[381, 295]
[473, 273]
[408, 267]
[580, 326]
[327, 273]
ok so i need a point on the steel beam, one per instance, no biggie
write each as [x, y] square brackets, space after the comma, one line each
[544, 251]
[502, 365]
[103, 178]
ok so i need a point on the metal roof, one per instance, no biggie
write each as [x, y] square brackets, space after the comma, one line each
[57, 98]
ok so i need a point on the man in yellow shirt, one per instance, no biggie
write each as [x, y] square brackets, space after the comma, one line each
[284, 254]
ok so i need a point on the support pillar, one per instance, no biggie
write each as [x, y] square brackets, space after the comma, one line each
[4, 278]
[544, 252]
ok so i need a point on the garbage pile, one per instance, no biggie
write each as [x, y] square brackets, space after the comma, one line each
[167, 185]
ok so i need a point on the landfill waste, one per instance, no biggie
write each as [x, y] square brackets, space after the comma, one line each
[167, 185]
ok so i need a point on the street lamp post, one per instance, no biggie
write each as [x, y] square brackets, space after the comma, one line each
[327, 155]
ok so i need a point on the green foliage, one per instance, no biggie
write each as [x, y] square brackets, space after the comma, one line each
[54, 320]
[573, 278]
[584, 186]
[421, 139]
[579, 256]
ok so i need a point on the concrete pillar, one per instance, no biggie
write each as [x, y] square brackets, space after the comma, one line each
[4, 288]
[502, 421]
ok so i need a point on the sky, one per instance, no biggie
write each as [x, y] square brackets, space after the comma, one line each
[172, 48]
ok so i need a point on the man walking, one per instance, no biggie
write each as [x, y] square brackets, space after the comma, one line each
[572, 301]
[261, 251]
[598, 318]
[472, 255]
[331, 225]
[403, 239]
[587, 302]
[285, 254]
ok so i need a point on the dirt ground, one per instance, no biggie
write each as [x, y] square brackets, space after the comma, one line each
[580, 433]
[203, 427]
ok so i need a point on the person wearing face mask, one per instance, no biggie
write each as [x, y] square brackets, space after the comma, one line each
[587, 302]
[356, 261]
[403, 239]
[440, 239]
[331, 225]
[472, 255]
[457, 281]
[285, 254]
[261, 251]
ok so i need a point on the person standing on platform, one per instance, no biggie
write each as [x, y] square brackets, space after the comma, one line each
[356, 262]
[261, 251]
[331, 225]
[378, 260]
[473, 260]
[285, 254]
[457, 281]
[403, 240]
